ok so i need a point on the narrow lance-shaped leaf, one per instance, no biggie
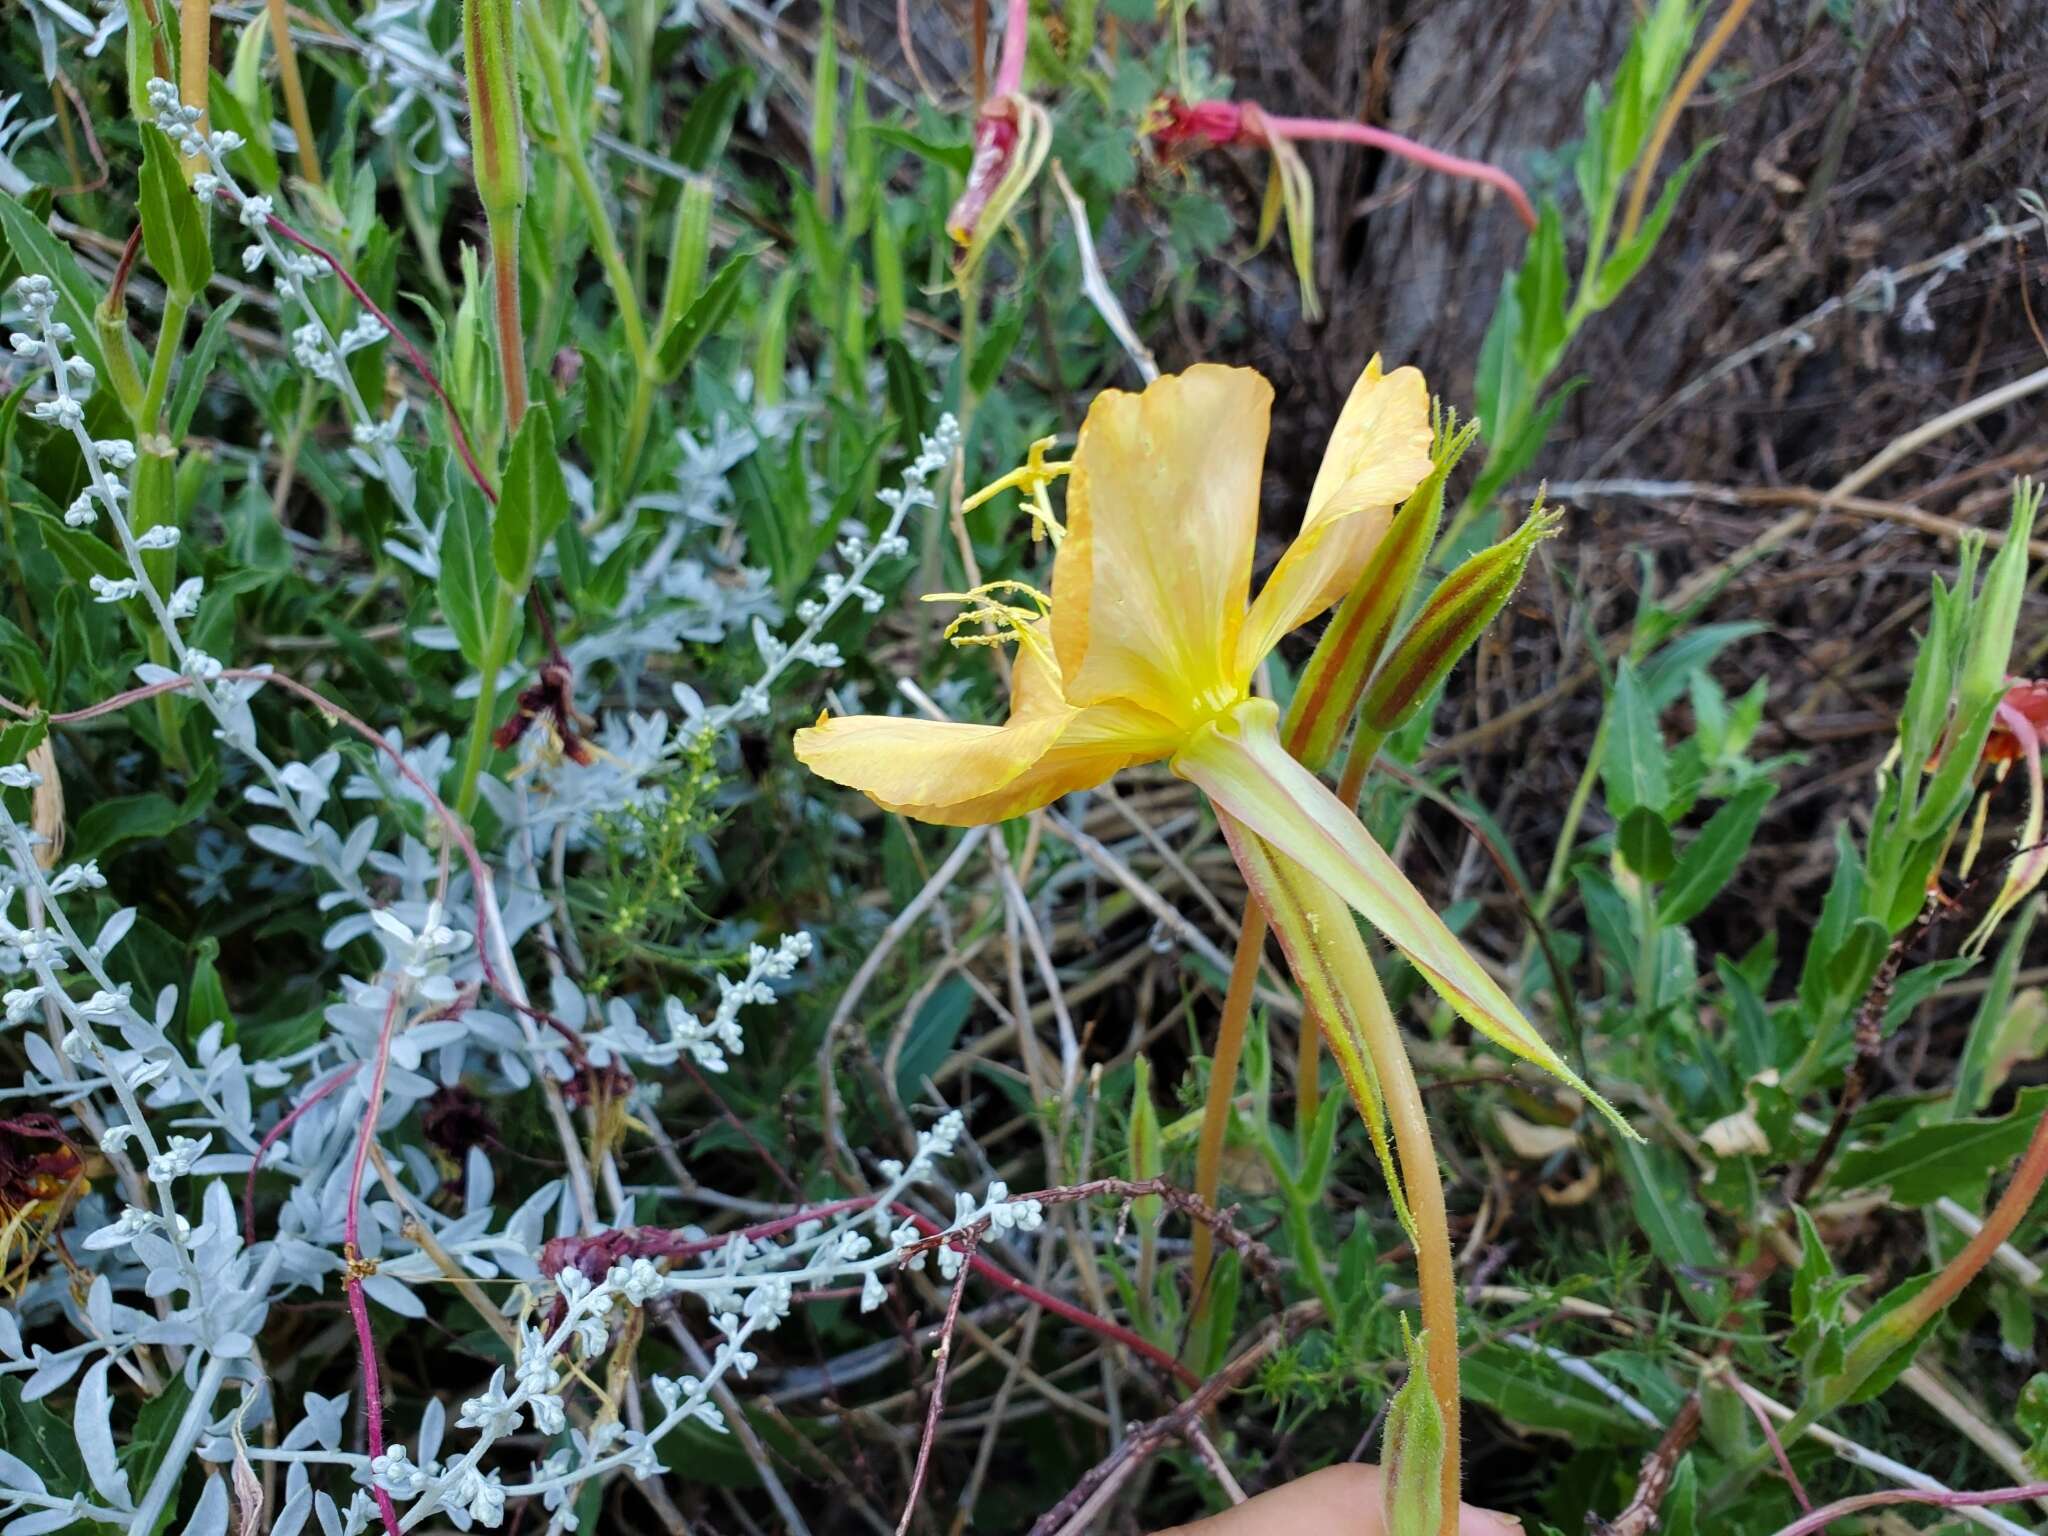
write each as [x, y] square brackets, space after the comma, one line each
[1238, 761]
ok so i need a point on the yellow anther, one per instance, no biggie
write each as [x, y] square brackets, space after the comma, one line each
[1029, 481]
[1004, 621]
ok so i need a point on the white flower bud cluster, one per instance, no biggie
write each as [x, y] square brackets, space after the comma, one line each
[709, 1044]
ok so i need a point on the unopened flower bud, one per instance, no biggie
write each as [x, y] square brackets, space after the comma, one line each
[490, 54]
[1453, 618]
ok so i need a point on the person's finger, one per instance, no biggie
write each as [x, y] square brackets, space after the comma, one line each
[1337, 1501]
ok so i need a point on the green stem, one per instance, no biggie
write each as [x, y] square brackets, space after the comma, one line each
[481, 724]
[569, 147]
[167, 340]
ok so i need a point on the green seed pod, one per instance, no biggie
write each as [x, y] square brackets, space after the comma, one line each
[1456, 614]
[490, 60]
[1357, 633]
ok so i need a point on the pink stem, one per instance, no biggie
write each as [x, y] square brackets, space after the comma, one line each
[270, 1138]
[1408, 149]
[1821, 1518]
[1004, 1280]
[412, 353]
[352, 1280]
[1010, 65]
[1763, 1419]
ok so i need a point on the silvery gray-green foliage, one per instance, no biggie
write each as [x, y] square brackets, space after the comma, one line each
[182, 1129]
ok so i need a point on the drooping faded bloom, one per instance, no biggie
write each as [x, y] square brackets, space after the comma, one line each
[2015, 737]
[1146, 646]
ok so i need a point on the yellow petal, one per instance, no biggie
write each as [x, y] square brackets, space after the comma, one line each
[1378, 454]
[1149, 585]
[920, 766]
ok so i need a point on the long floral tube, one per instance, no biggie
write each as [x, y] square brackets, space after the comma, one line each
[1340, 986]
[1238, 761]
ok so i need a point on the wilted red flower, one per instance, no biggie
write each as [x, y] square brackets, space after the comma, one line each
[41, 1172]
[2025, 701]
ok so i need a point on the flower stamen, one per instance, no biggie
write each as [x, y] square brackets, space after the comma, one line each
[1002, 621]
[1029, 481]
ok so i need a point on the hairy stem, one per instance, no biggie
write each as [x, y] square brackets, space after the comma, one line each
[511, 338]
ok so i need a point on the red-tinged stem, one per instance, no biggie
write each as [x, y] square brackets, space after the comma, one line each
[1079, 1316]
[1408, 149]
[352, 1274]
[412, 353]
[938, 1402]
[117, 290]
[1016, 34]
[1237, 1009]
[1827, 1514]
[511, 335]
[270, 1139]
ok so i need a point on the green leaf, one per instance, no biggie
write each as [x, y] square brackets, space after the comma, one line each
[707, 312]
[1533, 1392]
[156, 1426]
[44, 1440]
[1620, 268]
[2030, 1416]
[18, 738]
[468, 583]
[1644, 841]
[1711, 858]
[932, 1036]
[1920, 1164]
[36, 251]
[708, 123]
[531, 503]
[174, 228]
[1634, 769]
[952, 157]
[255, 160]
[1668, 672]
[197, 368]
[2006, 1031]
[995, 348]
[1660, 1192]
[107, 824]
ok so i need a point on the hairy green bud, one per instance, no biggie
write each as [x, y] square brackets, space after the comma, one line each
[1411, 1473]
[1357, 633]
[1456, 614]
[490, 60]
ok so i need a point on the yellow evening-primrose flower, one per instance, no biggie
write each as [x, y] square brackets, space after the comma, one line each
[1147, 643]
[1151, 637]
